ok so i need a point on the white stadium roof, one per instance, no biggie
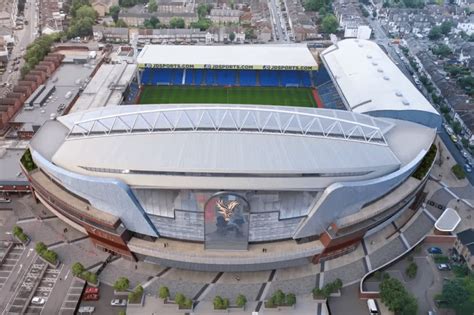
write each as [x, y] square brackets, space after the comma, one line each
[238, 56]
[129, 142]
[369, 80]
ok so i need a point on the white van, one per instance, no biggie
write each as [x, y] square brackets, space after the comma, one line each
[373, 310]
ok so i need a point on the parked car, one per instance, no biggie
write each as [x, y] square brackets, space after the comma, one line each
[118, 302]
[5, 200]
[435, 250]
[467, 168]
[86, 310]
[37, 300]
[444, 267]
[91, 297]
[91, 290]
[454, 138]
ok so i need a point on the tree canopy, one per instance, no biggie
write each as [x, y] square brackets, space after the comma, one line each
[396, 298]
[176, 22]
[445, 27]
[114, 12]
[329, 24]
[152, 6]
[315, 5]
[82, 22]
[152, 22]
[435, 33]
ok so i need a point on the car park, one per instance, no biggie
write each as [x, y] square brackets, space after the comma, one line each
[435, 250]
[118, 302]
[444, 267]
[37, 300]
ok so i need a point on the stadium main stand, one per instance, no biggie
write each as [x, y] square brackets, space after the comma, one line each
[268, 78]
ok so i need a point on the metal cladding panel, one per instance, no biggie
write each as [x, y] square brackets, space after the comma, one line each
[108, 195]
[348, 198]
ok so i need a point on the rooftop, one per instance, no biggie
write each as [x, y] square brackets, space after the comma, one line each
[67, 78]
[358, 66]
[448, 221]
[466, 237]
[106, 87]
[229, 55]
[203, 145]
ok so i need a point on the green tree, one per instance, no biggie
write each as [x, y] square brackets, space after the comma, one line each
[411, 270]
[329, 24]
[218, 303]
[176, 22]
[127, 3]
[435, 33]
[202, 24]
[374, 13]
[179, 299]
[164, 292]
[120, 23]
[446, 27]
[396, 298]
[77, 268]
[122, 284]
[188, 303]
[279, 297]
[40, 248]
[455, 292]
[441, 50]
[114, 12]
[250, 33]
[315, 5]
[152, 6]
[75, 5]
[203, 10]
[232, 36]
[152, 22]
[290, 299]
[241, 300]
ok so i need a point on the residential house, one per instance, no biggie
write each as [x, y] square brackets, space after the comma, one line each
[102, 7]
[225, 15]
[464, 245]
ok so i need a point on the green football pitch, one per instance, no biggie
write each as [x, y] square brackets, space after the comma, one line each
[302, 97]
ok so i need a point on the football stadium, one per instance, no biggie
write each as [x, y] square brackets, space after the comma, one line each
[241, 158]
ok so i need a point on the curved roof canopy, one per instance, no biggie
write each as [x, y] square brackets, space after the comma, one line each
[370, 82]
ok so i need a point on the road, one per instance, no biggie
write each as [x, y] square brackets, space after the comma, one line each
[23, 38]
[277, 21]
[383, 40]
[455, 153]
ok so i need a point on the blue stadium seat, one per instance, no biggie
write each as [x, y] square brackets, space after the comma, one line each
[189, 77]
[226, 77]
[211, 77]
[198, 76]
[146, 76]
[177, 76]
[290, 78]
[162, 76]
[305, 78]
[321, 76]
[269, 78]
[248, 77]
[330, 96]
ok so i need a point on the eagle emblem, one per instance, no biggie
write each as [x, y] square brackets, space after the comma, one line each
[227, 209]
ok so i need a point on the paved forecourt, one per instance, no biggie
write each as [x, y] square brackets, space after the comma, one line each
[302, 97]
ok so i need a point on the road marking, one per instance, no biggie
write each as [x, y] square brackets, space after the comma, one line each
[21, 266]
[67, 274]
